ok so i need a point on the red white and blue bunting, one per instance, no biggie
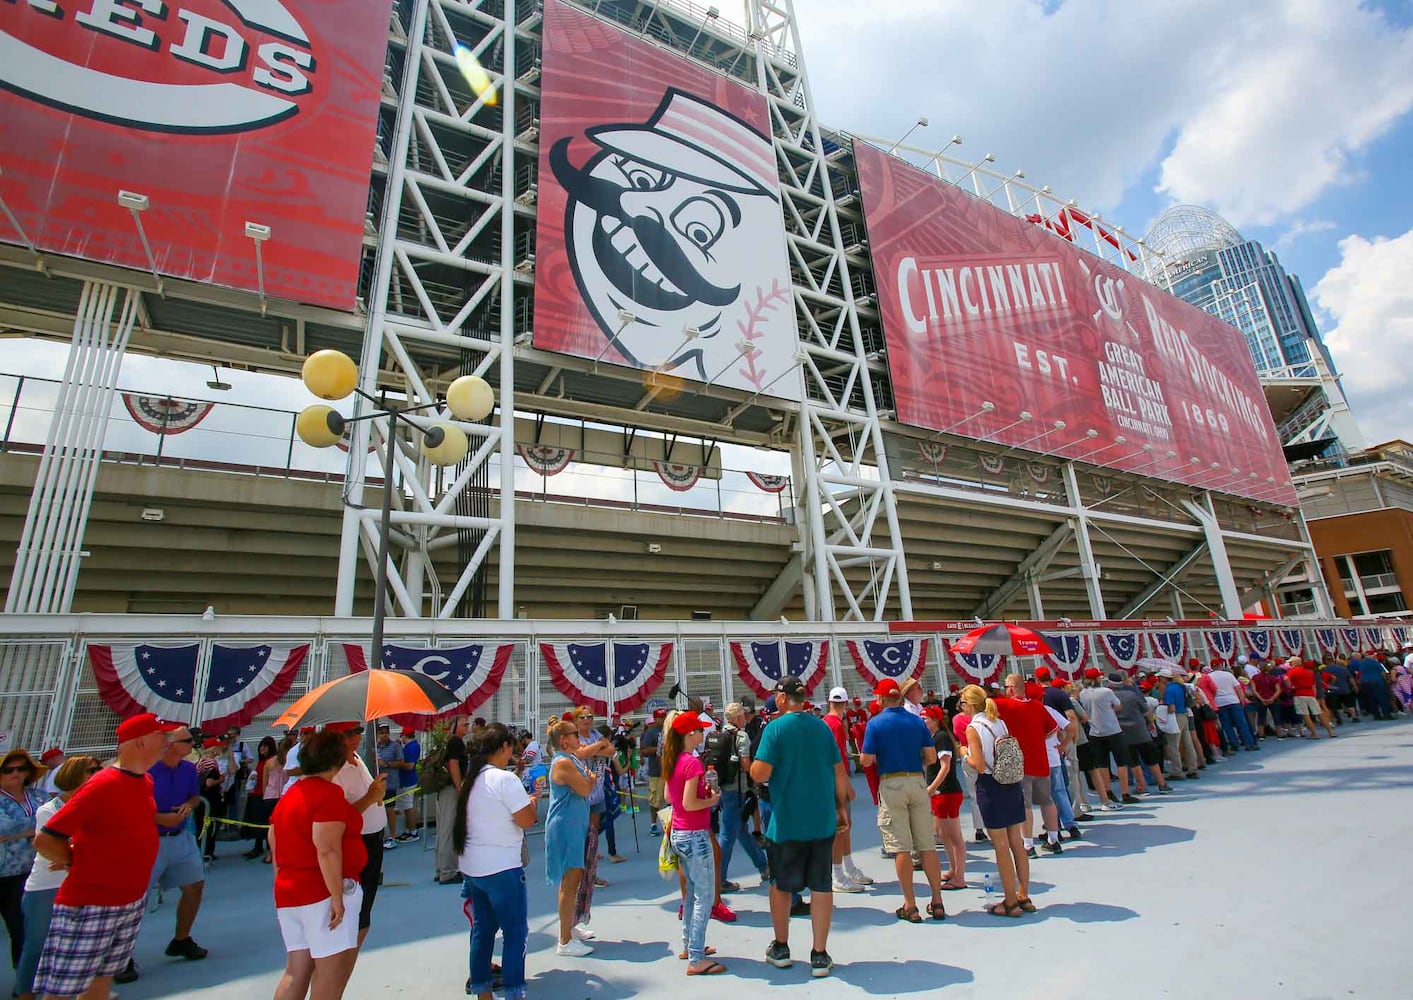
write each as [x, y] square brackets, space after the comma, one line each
[1327, 639]
[1168, 645]
[579, 671]
[544, 459]
[472, 672]
[1349, 639]
[899, 659]
[1071, 650]
[1400, 634]
[992, 464]
[1258, 641]
[768, 483]
[1221, 643]
[760, 666]
[245, 680]
[976, 668]
[1123, 649]
[1290, 640]
[1374, 638]
[679, 478]
[145, 677]
[932, 452]
[164, 414]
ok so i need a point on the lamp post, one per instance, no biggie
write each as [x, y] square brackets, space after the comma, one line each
[332, 375]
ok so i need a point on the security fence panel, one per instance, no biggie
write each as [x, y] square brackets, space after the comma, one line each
[33, 673]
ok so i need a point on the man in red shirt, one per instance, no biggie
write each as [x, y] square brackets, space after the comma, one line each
[106, 836]
[847, 877]
[1031, 725]
[1301, 678]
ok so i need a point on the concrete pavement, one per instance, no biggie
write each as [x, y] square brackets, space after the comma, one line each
[1280, 873]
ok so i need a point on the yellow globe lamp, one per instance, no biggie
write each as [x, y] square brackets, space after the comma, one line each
[330, 374]
[470, 398]
[319, 426]
[444, 444]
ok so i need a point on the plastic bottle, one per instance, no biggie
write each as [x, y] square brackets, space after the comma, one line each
[713, 782]
[990, 884]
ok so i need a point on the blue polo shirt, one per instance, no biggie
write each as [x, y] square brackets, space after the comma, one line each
[1175, 697]
[1369, 669]
[411, 754]
[173, 786]
[896, 737]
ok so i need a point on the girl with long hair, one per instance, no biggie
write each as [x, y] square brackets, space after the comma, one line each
[259, 804]
[944, 789]
[692, 801]
[492, 814]
[567, 830]
[1002, 806]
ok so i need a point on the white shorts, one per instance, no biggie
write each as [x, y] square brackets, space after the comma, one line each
[405, 800]
[306, 928]
[1305, 705]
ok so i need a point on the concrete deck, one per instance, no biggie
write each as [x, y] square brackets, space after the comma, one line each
[1281, 873]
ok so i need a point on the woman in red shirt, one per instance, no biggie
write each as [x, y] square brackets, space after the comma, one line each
[317, 841]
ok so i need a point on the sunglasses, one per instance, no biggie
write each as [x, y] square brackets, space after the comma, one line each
[184, 739]
[14, 768]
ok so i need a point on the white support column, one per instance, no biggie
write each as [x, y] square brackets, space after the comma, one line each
[1089, 568]
[1206, 516]
[505, 402]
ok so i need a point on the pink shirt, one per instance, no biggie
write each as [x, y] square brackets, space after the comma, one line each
[688, 768]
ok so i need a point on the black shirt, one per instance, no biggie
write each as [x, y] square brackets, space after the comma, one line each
[1061, 702]
[456, 751]
[942, 743]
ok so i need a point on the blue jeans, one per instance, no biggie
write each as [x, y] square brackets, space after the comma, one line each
[38, 908]
[1060, 792]
[693, 849]
[1233, 720]
[498, 903]
[733, 828]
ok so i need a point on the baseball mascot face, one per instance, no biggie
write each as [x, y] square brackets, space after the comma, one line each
[663, 222]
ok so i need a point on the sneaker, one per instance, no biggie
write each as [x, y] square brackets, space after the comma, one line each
[846, 885]
[403, 838]
[654, 831]
[723, 913]
[1084, 817]
[1073, 833]
[1165, 790]
[186, 948]
[1193, 775]
[981, 837]
[856, 876]
[582, 933]
[820, 964]
[390, 844]
[616, 859]
[129, 973]
[729, 886]
[800, 909]
[1132, 800]
[1030, 853]
[778, 955]
[574, 949]
[1050, 848]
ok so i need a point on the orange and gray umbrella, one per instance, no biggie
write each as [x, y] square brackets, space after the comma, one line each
[368, 695]
[1002, 639]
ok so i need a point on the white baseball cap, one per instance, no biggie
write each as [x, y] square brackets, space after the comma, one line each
[838, 694]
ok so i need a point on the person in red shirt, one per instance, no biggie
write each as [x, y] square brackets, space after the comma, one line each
[316, 837]
[106, 835]
[847, 877]
[1031, 725]
[1301, 679]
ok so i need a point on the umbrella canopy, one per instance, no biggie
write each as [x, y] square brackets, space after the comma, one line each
[368, 695]
[1002, 639]
[1157, 663]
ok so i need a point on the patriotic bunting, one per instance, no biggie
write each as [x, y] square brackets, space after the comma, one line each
[932, 452]
[1121, 648]
[1039, 474]
[1290, 640]
[679, 478]
[1327, 639]
[473, 672]
[1221, 643]
[1400, 635]
[1258, 640]
[976, 668]
[1374, 638]
[899, 659]
[770, 484]
[579, 671]
[1071, 649]
[544, 459]
[245, 680]
[759, 666]
[1349, 638]
[1169, 645]
[994, 464]
[146, 677]
[165, 415]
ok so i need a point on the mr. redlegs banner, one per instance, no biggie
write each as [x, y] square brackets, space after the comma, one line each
[1078, 358]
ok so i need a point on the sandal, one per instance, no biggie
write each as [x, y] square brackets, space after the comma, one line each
[600, 883]
[1004, 909]
[937, 911]
[908, 913]
[714, 969]
[708, 951]
[1025, 904]
[950, 886]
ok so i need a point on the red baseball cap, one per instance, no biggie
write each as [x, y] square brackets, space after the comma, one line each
[308, 729]
[874, 708]
[1042, 673]
[659, 713]
[144, 725]
[211, 742]
[1093, 674]
[50, 754]
[858, 701]
[1194, 662]
[887, 688]
[934, 712]
[342, 727]
[687, 722]
[409, 731]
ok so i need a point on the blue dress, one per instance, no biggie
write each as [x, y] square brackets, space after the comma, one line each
[566, 826]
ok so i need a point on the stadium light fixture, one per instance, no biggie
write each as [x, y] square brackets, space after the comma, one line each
[258, 234]
[1091, 434]
[136, 204]
[711, 15]
[24, 236]
[920, 123]
[986, 407]
[988, 158]
[1018, 175]
[626, 318]
[215, 383]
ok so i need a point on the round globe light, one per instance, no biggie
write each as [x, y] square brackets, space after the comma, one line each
[330, 374]
[319, 426]
[444, 444]
[470, 398]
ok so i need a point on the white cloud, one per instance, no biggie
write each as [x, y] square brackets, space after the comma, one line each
[1370, 301]
[1252, 108]
[1298, 230]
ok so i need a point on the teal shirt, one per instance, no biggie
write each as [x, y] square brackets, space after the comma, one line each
[802, 753]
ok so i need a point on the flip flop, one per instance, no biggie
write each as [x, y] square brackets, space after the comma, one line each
[708, 951]
[714, 969]
[910, 914]
[953, 886]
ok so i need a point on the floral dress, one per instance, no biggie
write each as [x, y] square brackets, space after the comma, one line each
[17, 816]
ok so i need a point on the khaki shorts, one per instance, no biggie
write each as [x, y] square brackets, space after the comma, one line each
[655, 793]
[1305, 705]
[906, 823]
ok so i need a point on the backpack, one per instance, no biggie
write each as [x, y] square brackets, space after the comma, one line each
[1008, 763]
[721, 751]
[432, 772]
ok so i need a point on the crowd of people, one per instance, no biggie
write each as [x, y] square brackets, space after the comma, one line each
[84, 842]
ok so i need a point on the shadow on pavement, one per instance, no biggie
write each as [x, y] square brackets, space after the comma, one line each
[877, 978]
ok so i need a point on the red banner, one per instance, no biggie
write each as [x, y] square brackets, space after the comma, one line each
[660, 242]
[220, 114]
[982, 307]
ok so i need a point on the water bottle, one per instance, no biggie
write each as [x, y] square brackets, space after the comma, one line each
[712, 781]
[990, 885]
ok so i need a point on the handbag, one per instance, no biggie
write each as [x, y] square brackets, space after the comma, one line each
[667, 863]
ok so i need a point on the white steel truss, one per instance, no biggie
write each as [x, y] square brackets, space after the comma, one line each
[442, 302]
[854, 561]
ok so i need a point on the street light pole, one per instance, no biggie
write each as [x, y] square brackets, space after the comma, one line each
[380, 576]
